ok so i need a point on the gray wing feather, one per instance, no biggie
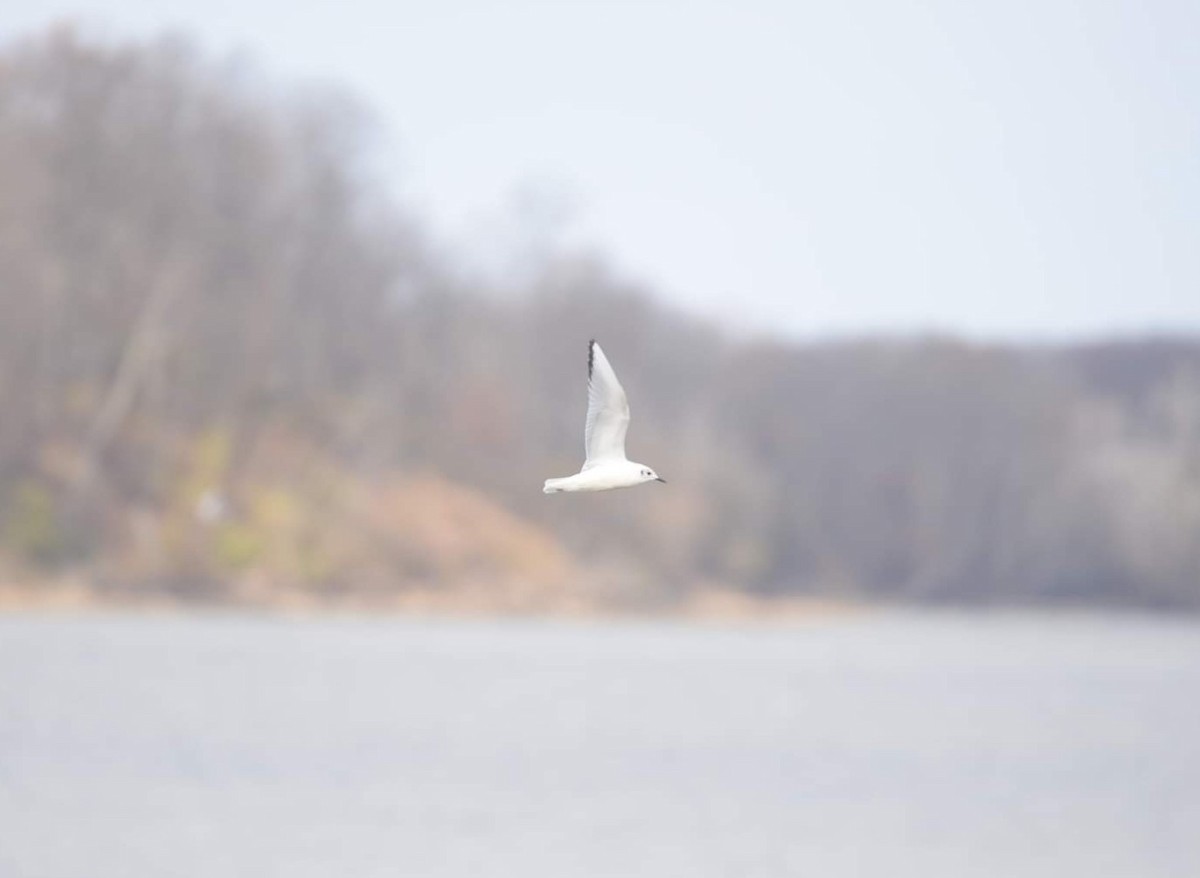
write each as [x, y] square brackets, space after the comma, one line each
[608, 410]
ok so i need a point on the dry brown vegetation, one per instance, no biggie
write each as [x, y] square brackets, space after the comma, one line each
[233, 368]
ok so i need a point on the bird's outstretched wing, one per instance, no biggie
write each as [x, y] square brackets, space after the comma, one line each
[608, 411]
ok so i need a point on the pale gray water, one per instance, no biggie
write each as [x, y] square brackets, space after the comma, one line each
[897, 745]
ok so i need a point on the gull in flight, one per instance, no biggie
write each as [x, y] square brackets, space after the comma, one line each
[606, 466]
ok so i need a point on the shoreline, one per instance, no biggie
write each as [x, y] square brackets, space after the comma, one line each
[709, 604]
[703, 605]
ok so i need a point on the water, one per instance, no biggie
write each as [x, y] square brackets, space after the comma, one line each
[898, 745]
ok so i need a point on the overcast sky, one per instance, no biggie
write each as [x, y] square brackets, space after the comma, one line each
[1003, 170]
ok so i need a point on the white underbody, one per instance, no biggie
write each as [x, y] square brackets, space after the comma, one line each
[603, 476]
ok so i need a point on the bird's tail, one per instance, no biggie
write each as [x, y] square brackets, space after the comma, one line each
[552, 486]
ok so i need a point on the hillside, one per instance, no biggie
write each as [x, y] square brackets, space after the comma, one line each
[235, 369]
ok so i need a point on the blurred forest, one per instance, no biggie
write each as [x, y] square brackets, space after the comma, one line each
[233, 366]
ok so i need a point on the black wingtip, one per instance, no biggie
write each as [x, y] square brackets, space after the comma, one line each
[591, 355]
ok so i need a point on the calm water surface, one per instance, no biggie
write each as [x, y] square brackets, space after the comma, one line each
[897, 745]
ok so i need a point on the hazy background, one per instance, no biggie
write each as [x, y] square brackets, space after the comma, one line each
[245, 360]
[1001, 169]
[295, 304]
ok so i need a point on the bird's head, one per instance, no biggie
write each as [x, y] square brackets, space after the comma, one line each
[649, 475]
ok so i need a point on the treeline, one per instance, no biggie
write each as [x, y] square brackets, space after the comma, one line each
[213, 312]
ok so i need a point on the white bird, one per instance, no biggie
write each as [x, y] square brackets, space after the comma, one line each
[606, 466]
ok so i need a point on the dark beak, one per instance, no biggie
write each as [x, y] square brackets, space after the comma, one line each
[661, 479]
